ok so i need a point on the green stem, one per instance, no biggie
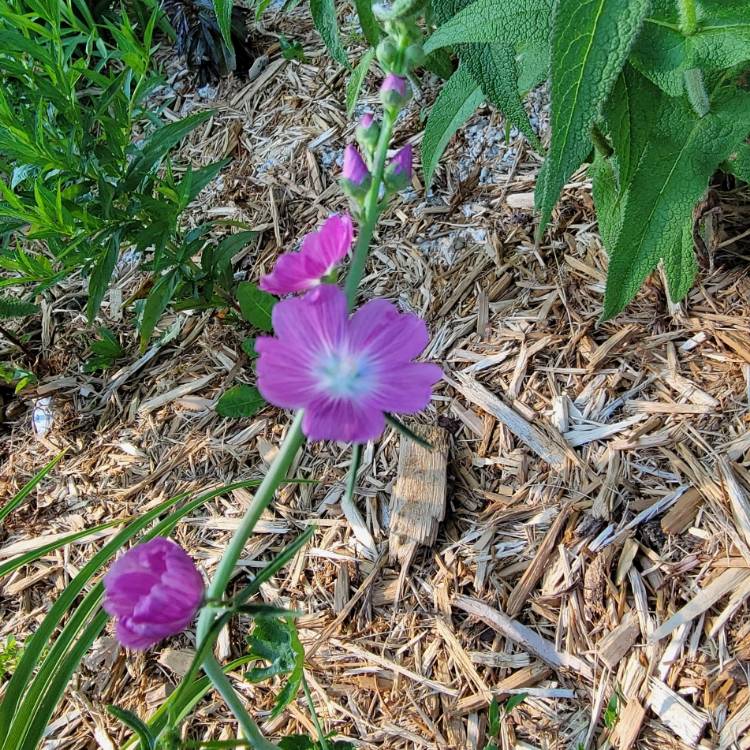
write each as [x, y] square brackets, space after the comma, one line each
[319, 729]
[263, 496]
[688, 17]
[224, 686]
[262, 499]
[370, 209]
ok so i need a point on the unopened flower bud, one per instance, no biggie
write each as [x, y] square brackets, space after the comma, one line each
[395, 92]
[367, 133]
[355, 176]
[414, 56]
[387, 53]
[399, 169]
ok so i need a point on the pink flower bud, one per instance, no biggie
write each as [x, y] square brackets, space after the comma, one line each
[154, 591]
[402, 161]
[355, 170]
[366, 120]
[395, 84]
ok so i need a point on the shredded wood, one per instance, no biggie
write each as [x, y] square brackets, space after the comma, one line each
[595, 476]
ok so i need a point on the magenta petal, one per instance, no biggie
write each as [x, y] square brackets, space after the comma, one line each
[380, 328]
[321, 251]
[342, 420]
[406, 388]
[331, 243]
[308, 323]
[289, 275]
[154, 590]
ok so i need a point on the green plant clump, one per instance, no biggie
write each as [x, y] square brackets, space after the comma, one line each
[653, 94]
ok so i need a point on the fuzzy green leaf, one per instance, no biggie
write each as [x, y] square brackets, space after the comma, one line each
[240, 400]
[324, 17]
[721, 41]
[490, 35]
[457, 101]
[590, 43]
[738, 162]
[368, 22]
[682, 152]
[356, 79]
[256, 305]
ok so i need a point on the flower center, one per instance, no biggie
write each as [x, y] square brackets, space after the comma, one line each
[344, 375]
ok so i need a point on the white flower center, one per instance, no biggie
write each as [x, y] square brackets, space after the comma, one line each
[344, 375]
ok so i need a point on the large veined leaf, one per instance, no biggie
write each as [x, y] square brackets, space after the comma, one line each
[324, 17]
[682, 152]
[590, 43]
[738, 162]
[721, 40]
[490, 35]
[457, 100]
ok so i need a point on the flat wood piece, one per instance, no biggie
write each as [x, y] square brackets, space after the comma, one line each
[419, 494]
[682, 514]
[702, 601]
[549, 450]
[525, 637]
[735, 728]
[685, 721]
[629, 725]
[616, 644]
[520, 594]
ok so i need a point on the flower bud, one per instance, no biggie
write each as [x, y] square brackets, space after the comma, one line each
[367, 133]
[154, 591]
[355, 176]
[414, 56]
[387, 53]
[399, 169]
[394, 92]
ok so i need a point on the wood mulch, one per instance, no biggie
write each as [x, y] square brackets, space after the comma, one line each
[582, 535]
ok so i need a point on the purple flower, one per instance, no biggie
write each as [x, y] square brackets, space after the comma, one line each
[345, 372]
[401, 162]
[355, 170]
[321, 251]
[154, 591]
[395, 84]
[366, 120]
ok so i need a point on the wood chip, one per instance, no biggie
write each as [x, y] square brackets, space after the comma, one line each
[684, 720]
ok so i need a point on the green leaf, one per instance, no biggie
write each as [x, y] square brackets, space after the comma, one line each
[240, 401]
[223, 10]
[738, 162]
[105, 351]
[248, 346]
[276, 641]
[324, 17]
[493, 718]
[682, 152]
[256, 305]
[27, 489]
[159, 143]
[16, 308]
[148, 741]
[722, 40]
[291, 50]
[590, 43]
[492, 22]
[101, 275]
[156, 303]
[514, 701]
[356, 79]
[492, 33]
[368, 22]
[229, 247]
